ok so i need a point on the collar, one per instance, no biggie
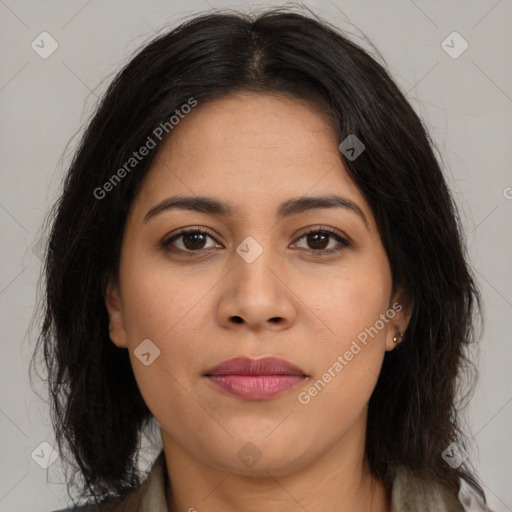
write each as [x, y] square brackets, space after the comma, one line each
[411, 494]
[408, 493]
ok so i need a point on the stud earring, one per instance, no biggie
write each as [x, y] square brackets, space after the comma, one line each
[109, 328]
[398, 336]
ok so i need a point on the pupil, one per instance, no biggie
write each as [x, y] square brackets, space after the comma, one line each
[315, 240]
[196, 238]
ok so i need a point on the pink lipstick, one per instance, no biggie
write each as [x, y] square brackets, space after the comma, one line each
[255, 379]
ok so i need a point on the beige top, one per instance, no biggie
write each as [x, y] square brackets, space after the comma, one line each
[409, 494]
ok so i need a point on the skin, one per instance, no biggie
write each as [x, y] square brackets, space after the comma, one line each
[255, 151]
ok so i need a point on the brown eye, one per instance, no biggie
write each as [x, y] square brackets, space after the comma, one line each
[188, 241]
[318, 241]
[194, 241]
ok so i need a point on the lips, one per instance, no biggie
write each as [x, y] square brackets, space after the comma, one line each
[255, 379]
[248, 366]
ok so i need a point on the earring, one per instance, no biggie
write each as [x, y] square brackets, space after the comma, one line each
[109, 328]
[398, 336]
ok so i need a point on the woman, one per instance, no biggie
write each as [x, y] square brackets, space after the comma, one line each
[256, 247]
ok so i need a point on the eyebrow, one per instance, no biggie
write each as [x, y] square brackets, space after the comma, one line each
[212, 206]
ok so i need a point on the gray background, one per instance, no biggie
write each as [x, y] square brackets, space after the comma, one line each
[466, 103]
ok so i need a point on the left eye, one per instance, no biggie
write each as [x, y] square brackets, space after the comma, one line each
[319, 240]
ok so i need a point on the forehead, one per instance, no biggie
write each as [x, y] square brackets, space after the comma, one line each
[252, 122]
[252, 149]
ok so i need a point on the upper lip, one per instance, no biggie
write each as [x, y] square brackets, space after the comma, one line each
[261, 366]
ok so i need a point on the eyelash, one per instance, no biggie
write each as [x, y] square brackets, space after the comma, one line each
[344, 243]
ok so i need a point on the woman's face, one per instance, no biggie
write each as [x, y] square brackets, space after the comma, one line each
[254, 284]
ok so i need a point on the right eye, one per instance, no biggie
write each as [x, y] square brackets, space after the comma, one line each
[190, 240]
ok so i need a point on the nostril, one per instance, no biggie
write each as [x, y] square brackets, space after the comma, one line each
[237, 320]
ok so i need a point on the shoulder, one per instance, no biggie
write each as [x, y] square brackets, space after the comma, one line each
[80, 508]
[91, 507]
[129, 504]
[411, 494]
[149, 496]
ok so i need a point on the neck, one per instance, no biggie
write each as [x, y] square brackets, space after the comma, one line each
[338, 481]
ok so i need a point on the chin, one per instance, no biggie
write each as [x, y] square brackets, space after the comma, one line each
[260, 457]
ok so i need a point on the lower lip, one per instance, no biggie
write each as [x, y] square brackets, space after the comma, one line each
[255, 387]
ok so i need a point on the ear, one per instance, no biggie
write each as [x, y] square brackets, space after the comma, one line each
[115, 314]
[399, 312]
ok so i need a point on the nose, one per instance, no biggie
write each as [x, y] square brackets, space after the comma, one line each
[257, 296]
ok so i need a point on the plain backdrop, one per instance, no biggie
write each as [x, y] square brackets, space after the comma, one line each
[465, 101]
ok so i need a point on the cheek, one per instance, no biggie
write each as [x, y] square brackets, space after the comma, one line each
[353, 299]
[166, 383]
[160, 305]
[346, 373]
[159, 298]
[349, 354]
[170, 398]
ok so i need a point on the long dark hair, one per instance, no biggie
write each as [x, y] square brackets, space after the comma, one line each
[96, 408]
